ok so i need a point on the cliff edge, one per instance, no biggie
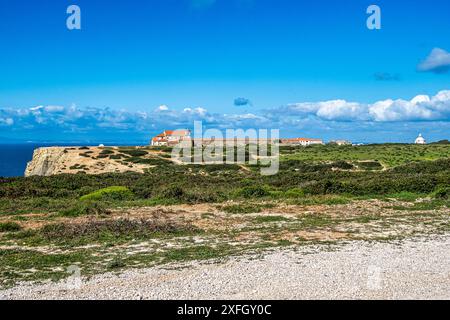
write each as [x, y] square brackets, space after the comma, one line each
[91, 160]
[45, 161]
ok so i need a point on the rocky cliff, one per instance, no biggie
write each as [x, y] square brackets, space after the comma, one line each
[46, 161]
[91, 160]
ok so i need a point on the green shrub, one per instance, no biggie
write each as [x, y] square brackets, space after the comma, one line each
[149, 161]
[254, 191]
[9, 227]
[295, 193]
[241, 208]
[173, 192]
[78, 166]
[342, 165]
[116, 264]
[369, 165]
[86, 154]
[110, 193]
[441, 193]
[203, 197]
[117, 156]
[86, 208]
[134, 152]
[107, 152]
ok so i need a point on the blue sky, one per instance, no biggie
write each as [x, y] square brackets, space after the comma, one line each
[230, 63]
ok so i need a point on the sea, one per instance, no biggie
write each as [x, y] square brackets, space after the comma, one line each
[14, 157]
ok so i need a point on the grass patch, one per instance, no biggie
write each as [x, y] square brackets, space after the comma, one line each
[366, 219]
[369, 165]
[149, 161]
[9, 227]
[197, 253]
[424, 206]
[266, 219]
[405, 196]
[315, 220]
[321, 200]
[30, 265]
[109, 229]
[245, 208]
[86, 208]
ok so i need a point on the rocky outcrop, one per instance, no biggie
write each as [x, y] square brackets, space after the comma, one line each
[45, 162]
[90, 160]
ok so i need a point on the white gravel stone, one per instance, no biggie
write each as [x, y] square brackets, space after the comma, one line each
[410, 269]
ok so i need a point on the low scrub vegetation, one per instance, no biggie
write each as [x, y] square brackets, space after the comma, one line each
[253, 191]
[306, 175]
[86, 208]
[134, 152]
[9, 227]
[105, 229]
[110, 193]
[245, 208]
[442, 193]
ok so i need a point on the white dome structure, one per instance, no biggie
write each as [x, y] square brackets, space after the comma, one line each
[420, 140]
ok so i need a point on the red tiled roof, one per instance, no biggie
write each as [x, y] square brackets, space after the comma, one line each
[180, 133]
[302, 139]
[174, 133]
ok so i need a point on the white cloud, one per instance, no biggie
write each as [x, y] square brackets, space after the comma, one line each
[196, 111]
[54, 108]
[6, 121]
[341, 110]
[420, 108]
[162, 108]
[437, 62]
[320, 116]
[201, 111]
[401, 110]
[37, 108]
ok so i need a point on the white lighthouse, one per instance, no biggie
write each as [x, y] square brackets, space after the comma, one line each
[420, 140]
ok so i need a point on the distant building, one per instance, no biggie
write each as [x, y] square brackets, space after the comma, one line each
[213, 141]
[420, 140]
[341, 142]
[300, 141]
[171, 138]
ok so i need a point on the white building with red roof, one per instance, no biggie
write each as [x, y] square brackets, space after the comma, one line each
[301, 141]
[171, 137]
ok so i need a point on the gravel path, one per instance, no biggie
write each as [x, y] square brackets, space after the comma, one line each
[410, 269]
